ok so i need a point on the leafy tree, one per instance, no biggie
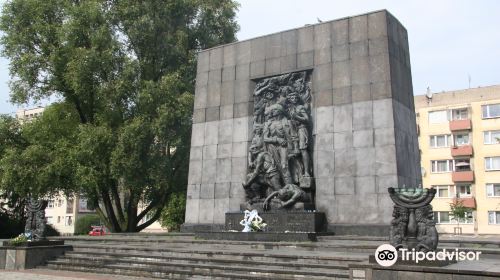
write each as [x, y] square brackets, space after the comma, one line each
[123, 72]
[83, 225]
[458, 210]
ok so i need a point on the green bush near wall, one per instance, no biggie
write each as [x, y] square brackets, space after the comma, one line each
[84, 224]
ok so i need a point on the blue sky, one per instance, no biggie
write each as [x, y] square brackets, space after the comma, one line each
[449, 40]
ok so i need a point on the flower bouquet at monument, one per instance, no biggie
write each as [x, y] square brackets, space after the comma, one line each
[252, 222]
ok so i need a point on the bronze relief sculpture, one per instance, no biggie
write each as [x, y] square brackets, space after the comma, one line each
[280, 169]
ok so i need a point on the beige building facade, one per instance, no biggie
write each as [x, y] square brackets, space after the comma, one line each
[459, 140]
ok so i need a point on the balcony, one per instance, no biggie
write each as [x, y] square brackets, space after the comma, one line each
[456, 125]
[462, 176]
[469, 202]
[457, 151]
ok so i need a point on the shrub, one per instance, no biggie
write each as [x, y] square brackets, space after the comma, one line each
[84, 224]
[51, 231]
[172, 215]
[10, 227]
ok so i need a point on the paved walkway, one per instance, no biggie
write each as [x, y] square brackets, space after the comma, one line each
[45, 274]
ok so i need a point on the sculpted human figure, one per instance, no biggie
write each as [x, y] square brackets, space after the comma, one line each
[288, 195]
[264, 174]
[300, 122]
[277, 138]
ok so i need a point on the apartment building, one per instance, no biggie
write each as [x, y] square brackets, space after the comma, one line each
[24, 115]
[459, 140]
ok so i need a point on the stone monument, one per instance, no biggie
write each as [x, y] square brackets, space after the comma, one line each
[319, 117]
[35, 219]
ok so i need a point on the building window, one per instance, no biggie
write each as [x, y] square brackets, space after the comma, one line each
[438, 117]
[444, 191]
[439, 166]
[459, 114]
[49, 220]
[442, 217]
[491, 137]
[69, 205]
[493, 190]
[68, 221]
[461, 139]
[50, 203]
[492, 163]
[494, 217]
[491, 111]
[440, 141]
[58, 219]
[462, 165]
[464, 190]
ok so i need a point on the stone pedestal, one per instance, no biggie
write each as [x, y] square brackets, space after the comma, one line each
[283, 221]
[30, 254]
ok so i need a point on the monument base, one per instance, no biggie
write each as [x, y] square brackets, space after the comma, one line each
[260, 236]
[282, 221]
[360, 229]
[31, 254]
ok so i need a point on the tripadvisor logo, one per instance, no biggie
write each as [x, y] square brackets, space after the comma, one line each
[387, 255]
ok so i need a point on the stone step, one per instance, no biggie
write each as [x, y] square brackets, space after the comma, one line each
[110, 257]
[189, 272]
[255, 255]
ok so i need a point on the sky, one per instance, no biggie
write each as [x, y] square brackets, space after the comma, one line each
[450, 40]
